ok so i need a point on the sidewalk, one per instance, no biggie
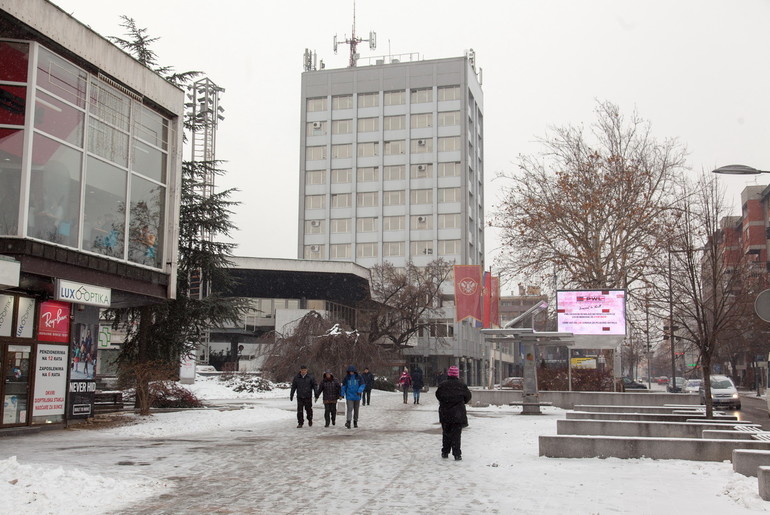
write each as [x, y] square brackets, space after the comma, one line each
[255, 460]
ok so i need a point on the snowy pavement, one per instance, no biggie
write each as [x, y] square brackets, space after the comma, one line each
[254, 460]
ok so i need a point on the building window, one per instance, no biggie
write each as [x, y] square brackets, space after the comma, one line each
[393, 148]
[367, 199]
[394, 98]
[393, 223]
[368, 100]
[393, 249]
[342, 151]
[449, 221]
[315, 128]
[315, 153]
[421, 120]
[421, 196]
[342, 126]
[449, 169]
[394, 123]
[422, 145]
[421, 248]
[449, 194]
[420, 222]
[342, 176]
[339, 251]
[314, 251]
[315, 201]
[341, 199]
[421, 96]
[368, 149]
[421, 171]
[393, 173]
[448, 247]
[393, 198]
[315, 177]
[449, 144]
[339, 225]
[364, 250]
[315, 105]
[315, 226]
[367, 174]
[368, 124]
[448, 93]
[342, 102]
[367, 224]
[449, 118]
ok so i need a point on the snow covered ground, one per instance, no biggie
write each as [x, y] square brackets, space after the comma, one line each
[246, 456]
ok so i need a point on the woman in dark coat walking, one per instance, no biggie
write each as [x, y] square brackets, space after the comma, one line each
[452, 396]
[417, 383]
[331, 390]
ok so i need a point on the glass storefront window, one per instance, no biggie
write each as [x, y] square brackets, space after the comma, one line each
[54, 196]
[149, 161]
[152, 128]
[61, 78]
[146, 222]
[104, 209]
[107, 142]
[109, 105]
[15, 59]
[16, 369]
[58, 119]
[13, 102]
[11, 144]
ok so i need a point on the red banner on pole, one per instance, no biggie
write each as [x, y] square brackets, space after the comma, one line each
[468, 292]
[487, 300]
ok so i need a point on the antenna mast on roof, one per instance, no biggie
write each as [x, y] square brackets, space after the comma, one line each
[354, 41]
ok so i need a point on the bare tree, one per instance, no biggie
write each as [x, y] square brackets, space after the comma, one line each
[406, 300]
[590, 212]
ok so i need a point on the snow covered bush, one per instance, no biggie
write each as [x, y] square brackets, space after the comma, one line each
[246, 383]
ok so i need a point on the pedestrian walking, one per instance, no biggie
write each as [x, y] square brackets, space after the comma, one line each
[369, 381]
[405, 381]
[452, 396]
[304, 385]
[331, 390]
[352, 387]
[417, 383]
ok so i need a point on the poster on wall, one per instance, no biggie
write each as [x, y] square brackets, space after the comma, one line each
[54, 322]
[83, 358]
[50, 380]
[6, 315]
[26, 318]
[81, 399]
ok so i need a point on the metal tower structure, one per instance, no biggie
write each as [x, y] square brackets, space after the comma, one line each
[354, 41]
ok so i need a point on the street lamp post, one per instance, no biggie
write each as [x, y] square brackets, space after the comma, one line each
[738, 170]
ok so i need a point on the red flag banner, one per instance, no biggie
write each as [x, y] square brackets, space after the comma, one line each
[494, 311]
[467, 292]
[487, 300]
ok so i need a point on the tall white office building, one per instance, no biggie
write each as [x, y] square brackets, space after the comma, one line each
[392, 169]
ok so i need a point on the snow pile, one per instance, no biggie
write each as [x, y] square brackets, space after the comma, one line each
[44, 490]
[236, 387]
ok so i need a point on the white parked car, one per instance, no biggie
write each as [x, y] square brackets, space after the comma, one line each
[693, 385]
[723, 392]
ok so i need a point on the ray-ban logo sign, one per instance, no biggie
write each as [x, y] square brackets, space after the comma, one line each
[80, 293]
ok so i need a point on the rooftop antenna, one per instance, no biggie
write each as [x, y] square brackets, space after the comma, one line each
[354, 41]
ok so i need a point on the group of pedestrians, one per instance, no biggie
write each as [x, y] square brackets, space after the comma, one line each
[452, 395]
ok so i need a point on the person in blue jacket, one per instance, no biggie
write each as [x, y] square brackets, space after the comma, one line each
[352, 387]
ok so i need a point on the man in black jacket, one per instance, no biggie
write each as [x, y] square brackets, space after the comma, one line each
[368, 378]
[452, 396]
[304, 385]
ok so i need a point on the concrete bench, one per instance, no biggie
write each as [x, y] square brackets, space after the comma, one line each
[728, 434]
[746, 461]
[647, 417]
[652, 429]
[608, 408]
[763, 478]
[693, 449]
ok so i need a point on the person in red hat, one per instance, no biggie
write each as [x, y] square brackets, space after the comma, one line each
[452, 396]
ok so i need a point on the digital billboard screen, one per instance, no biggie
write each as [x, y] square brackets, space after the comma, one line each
[591, 312]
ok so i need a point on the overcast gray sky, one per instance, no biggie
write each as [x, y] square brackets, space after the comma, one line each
[698, 70]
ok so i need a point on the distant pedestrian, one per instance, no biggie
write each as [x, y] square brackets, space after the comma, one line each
[369, 381]
[331, 390]
[352, 387]
[417, 383]
[439, 378]
[304, 385]
[405, 382]
[452, 396]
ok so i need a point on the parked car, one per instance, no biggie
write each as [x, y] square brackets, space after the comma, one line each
[630, 384]
[723, 392]
[662, 380]
[517, 383]
[680, 381]
[693, 385]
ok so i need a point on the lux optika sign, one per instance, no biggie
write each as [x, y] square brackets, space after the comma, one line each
[80, 293]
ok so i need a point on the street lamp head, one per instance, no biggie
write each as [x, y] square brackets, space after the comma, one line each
[738, 170]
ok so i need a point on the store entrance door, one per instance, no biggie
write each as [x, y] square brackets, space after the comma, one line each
[15, 364]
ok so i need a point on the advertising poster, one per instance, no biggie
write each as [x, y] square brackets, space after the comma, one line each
[6, 315]
[81, 399]
[50, 380]
[54, 322]
[84, 344]
[26, 321]
[591, 312]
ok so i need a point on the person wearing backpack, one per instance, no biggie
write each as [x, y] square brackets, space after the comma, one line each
[352, 387]
[405, 381]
